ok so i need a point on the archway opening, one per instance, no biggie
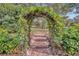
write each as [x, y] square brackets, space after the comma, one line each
[39, 24]
[39, 20]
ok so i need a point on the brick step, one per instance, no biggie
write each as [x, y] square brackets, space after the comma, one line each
[39, 38]
[42, 35]
[41, 31]
[39, 52]
[40, 43]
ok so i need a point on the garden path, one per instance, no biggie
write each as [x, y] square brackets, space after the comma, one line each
[39, 43]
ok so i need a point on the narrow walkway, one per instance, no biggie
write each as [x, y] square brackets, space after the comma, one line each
[39, 44]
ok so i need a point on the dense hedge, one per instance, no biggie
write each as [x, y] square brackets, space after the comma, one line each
[12, 31]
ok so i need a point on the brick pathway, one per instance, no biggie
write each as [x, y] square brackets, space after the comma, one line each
[39, 44]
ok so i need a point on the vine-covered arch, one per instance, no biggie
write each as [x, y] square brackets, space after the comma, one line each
[55, 21]
[16, 20]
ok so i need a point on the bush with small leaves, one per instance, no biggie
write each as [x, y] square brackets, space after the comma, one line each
[70, 40]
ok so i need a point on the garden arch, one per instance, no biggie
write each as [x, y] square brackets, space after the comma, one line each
[55, 23]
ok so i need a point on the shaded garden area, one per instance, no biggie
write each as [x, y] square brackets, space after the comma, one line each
[16, 22]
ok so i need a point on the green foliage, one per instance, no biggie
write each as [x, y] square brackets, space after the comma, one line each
[71, 39]
[12, 29]
[7, 41]
[11, 20]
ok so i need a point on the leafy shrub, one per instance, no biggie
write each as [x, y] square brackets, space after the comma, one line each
[71, 39]
[7, 43]
[12, 32]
